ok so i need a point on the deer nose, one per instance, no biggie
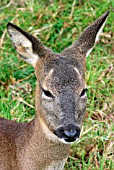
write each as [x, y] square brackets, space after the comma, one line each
[69, 133]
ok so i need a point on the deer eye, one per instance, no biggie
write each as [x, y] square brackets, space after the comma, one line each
[83, 93]
[46, 94]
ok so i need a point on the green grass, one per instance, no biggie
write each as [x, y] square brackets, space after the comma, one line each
[58, 24]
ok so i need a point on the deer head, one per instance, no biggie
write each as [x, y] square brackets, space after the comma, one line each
[61, 88]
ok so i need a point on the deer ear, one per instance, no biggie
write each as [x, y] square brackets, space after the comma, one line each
[26, 45]
[89, 37]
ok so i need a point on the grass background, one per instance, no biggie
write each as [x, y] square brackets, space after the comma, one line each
[58, 24]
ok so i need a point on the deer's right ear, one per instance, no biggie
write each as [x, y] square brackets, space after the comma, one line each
[26, 45]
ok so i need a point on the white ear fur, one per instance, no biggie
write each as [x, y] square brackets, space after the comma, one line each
[97, 38]
[100, 31]
[23, 45]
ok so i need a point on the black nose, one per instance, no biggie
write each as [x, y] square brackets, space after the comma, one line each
[69, 133]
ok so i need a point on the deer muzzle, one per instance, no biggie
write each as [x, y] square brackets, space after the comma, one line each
[69, 133]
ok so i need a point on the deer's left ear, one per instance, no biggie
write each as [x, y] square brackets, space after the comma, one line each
[89, 37]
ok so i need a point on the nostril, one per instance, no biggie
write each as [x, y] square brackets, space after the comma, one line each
[59, 132]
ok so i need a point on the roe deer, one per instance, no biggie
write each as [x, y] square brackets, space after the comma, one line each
[44, 142]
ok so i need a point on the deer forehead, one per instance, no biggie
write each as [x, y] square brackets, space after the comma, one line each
[63, 75]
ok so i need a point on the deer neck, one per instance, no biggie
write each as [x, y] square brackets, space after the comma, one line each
[42, 136]
[42, 144]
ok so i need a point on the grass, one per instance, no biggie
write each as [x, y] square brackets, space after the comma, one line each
[58, 24]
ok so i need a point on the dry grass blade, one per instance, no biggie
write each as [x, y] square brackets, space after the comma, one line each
[88, 130]
[2, 38]
[106, 72]
[20, 80]
[6, 6]
[20, 99]
[72, 10]
[36, 32]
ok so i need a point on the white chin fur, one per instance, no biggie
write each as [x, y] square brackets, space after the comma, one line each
[62, 140]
